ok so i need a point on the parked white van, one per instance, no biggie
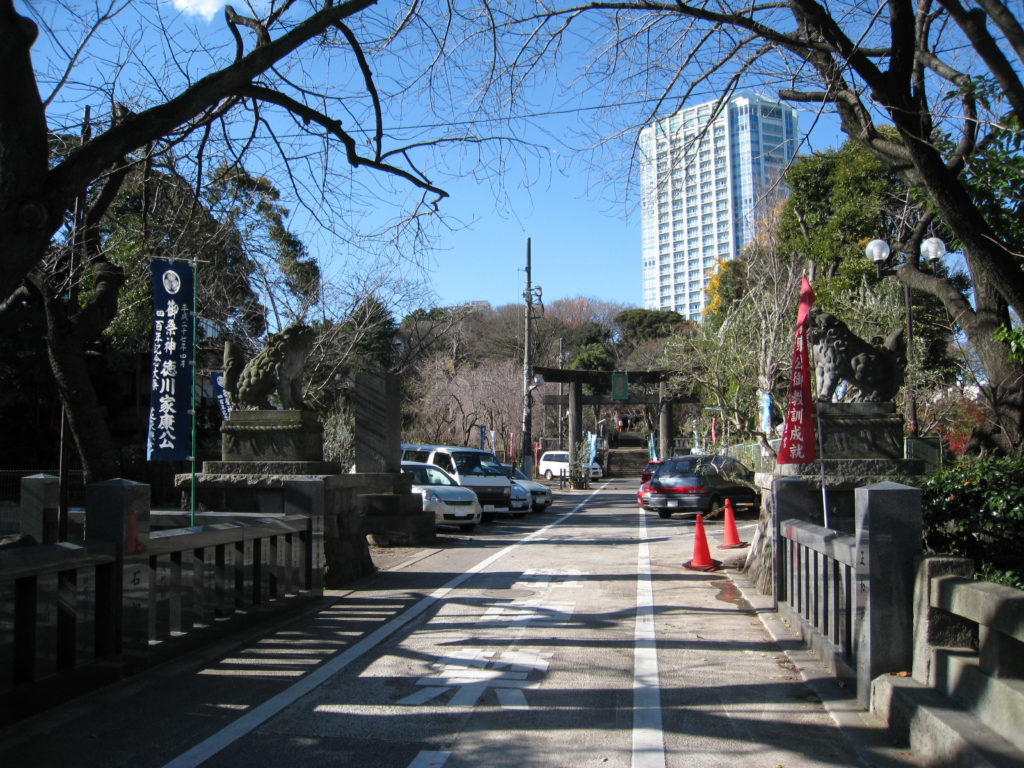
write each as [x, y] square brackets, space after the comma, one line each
[472, 468]
[555, 463]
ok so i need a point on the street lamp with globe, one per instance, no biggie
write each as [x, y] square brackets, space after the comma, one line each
[932, 250]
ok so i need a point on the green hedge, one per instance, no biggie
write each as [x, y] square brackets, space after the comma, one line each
[975, 508]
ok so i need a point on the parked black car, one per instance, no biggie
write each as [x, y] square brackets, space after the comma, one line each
[701, 484]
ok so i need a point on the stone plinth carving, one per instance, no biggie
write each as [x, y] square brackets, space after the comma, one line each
[254, 436]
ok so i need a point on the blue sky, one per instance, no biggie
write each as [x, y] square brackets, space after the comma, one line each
[585, 239]
[583, 244]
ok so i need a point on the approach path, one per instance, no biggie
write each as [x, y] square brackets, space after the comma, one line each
[570, 638]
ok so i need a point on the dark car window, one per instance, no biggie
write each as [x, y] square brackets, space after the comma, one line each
[737, 471]
[472, 463]
[679, 469]
[444, 461]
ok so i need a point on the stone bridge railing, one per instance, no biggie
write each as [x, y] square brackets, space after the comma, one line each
[851, 595]
[80, 613]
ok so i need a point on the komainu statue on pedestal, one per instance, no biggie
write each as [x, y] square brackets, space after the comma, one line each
[278, 366]
[875, 370]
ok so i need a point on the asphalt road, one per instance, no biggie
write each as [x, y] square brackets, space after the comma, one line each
[569, 638]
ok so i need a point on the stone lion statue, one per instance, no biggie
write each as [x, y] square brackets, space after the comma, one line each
[278, 366]
[875, 370]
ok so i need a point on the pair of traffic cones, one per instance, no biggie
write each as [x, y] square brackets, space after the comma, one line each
[702, 560]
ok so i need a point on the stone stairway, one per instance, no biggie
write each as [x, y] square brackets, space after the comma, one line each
[629, 456]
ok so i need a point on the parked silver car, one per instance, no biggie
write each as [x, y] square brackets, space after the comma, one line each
[451, 503]
[540, 494]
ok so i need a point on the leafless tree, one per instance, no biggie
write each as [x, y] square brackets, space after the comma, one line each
[291, 94]
[926, 86]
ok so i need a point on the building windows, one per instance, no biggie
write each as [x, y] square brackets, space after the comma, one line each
[708, 175]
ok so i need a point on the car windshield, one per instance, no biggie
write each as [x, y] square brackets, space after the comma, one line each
[428, 475]
[689, 468]
[473, 463]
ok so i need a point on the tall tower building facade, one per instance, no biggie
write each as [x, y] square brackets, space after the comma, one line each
[704, 178]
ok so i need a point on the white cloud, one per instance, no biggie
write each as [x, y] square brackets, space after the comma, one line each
[205, 8]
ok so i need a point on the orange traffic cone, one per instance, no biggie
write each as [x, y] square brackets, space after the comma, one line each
[731, 539]
[701, 554]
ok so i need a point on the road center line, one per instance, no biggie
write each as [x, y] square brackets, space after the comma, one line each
[648, 738]
[253, 719]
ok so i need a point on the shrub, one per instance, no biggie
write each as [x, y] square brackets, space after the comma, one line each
[975, 508]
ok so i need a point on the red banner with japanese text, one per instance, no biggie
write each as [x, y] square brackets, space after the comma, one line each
[797, 446]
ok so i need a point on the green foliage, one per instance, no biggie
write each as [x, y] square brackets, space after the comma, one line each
[593, 357]
[975, 509]
[250, 205]
[993, 178]
[155, 214]
[371, 330]
[639, 325]
[1014, 338]
[839, 200]
[339, 433]
[727, 286]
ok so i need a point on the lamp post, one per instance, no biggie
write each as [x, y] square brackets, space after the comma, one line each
[932, 250]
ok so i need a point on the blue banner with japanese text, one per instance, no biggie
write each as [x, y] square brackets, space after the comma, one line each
[170, 403]
[223, 403]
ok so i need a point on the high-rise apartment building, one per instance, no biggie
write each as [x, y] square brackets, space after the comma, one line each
[704, 178]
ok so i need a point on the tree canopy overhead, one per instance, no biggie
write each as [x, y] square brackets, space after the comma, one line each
[294, 88]
[933, 89]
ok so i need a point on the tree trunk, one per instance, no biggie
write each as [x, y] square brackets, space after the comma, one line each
[24, 155]
[66, 340]
[87, 422]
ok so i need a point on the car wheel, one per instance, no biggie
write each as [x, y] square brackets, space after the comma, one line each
[548, 475]
[467, 527]
[664, 514]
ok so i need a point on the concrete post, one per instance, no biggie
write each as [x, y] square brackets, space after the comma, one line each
[306, 497]
[118, 511]
[934, 627]
[888, 531]
[40, 499]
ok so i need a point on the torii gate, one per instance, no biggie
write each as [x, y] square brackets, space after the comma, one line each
[576, 400]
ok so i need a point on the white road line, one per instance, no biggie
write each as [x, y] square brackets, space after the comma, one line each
[253, 719]
[648, 738]
[427, 759]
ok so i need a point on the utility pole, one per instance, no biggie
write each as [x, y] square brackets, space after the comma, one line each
[561, 393]
[526, 451]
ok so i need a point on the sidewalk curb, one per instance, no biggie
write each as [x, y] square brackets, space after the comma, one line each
[869, 737]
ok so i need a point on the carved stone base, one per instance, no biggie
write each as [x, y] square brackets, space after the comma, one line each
[256, 436]
[860, 431]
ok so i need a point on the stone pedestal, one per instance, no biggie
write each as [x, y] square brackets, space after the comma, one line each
[863, 445]
[377, 411]
[272, 436]
[860, 431]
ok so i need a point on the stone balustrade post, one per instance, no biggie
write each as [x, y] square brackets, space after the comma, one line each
[40, 500]
[888, 531]
[118, 511]
[306, 497]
